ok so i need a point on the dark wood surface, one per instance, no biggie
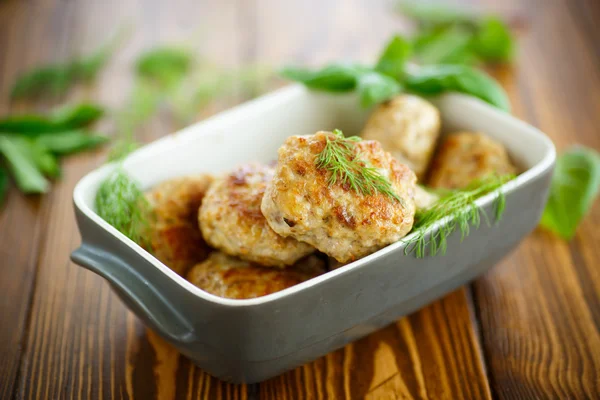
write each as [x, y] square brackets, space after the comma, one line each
[530, 328]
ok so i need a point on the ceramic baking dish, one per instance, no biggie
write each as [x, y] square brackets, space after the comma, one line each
[252, 340]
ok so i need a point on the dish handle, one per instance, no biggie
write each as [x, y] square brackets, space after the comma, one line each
[139, 294]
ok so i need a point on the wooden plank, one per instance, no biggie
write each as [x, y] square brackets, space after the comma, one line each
[82, 342]
[21, 217]
[539, 309]
[432, 354]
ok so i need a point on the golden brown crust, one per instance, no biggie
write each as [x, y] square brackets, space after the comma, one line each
[340, 222]
[231, 219]
[465, 156]
[408, 127]
[175, 238]
[230, 277]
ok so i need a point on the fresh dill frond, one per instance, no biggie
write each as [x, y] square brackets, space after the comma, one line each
[121, 202]
[464, 214]
[342, 159]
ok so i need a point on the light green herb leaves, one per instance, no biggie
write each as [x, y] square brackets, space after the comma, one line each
[459, 206]
[165, 66]
[68, 142]
[394, 57]
[374, 88]
[342, 159]
[65, 118]
[333, 78]
[574, 188]
[453, 36]
[431, 14]
[57, 79]
[121, 202]
[436, 79]
[493, 41]
[23, 167]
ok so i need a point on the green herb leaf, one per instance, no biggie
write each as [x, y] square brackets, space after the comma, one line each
[166, 66]
[449, 45]
[434, 14]
[65, 118]
[46, 162]
[68, 142]
[435, 79]
[393, 58]
[464, 214]
[332, 78]
[341, 158]
[121, 202]
[574, 187]
[374, 88]
[27, 176]
[494, 41]
[3, 184]
[58, 78]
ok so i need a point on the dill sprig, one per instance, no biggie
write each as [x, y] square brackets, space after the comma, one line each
[120, 201]
[464, 214]
[342, 159]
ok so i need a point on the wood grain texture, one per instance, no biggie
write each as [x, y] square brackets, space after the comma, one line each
[540, 308]
[68, 335]
[21, 217]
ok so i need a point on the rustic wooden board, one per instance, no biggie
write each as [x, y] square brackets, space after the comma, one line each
[540, 308]
[67, 335]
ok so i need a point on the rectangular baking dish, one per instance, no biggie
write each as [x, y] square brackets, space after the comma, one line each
[253, 340]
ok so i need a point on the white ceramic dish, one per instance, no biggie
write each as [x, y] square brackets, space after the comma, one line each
[252, 340]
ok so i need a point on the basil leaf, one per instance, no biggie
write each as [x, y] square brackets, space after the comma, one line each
[445, 46]
[493, 41]
[41, 156]
[574, 187]
[68, 142]
[27, 176]
[435, 79]
[434, 14]
[66, 118]
[394, 56]
[374, 88]
[332, 78]
[3, 184]
[165, 66]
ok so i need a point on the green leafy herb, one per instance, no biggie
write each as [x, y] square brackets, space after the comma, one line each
[435, 79]
[68, 142]
[463, 213]
[450, 45]
[57, 79]
[374, 88]
[63, 119]
[44, 160]
[394, 57]
[574, 187]
[3, 184]
[429, 14]
[332, 78]
[25, 171]
[166, 66]
[342, 159]
[121, 202]
[493, 41]
[453, 36]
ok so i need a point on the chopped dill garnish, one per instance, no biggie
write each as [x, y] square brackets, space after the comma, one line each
[464, 214]
[341, 158]
[121, 202]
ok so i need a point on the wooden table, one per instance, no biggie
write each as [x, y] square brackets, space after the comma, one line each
[530, 328]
